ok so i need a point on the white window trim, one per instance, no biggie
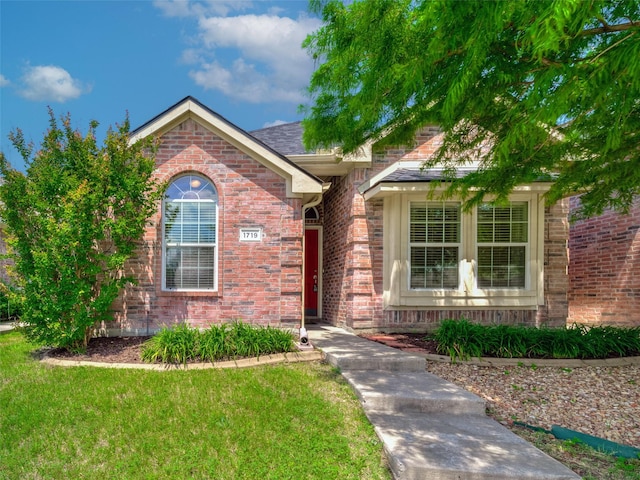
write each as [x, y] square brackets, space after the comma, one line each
[396, 266]
[216, 255]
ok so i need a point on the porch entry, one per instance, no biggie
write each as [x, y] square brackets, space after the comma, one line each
[312, 272]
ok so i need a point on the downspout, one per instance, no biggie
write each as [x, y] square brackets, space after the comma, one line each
[304, 339]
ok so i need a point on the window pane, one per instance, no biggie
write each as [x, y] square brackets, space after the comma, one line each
[190, 267]
[418, 213]
[418, 264]
[207, 234]
[485, 232]
[171, 212]
[208, 212]
[502, 233]
[501, 267]
[189, 212]
[519, 212]
[502, 214]
[435, 233]
[418, 232]
[189, 233]
[485, 213]
[435, 214]
[452, 214]
[172, 233]
[434, 265]
[451, 233]
[519, 232]
[193, 187]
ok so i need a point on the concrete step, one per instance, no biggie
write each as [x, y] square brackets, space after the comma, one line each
[350, 352]
[460, 447]
[405, 392]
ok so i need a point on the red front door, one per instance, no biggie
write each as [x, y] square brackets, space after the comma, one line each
[311, 275]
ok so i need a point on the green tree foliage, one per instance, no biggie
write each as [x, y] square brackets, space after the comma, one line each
[547, 87]
[72, 222]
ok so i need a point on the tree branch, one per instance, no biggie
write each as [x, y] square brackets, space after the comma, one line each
[606, 28]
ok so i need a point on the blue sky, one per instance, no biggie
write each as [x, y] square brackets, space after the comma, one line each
[98, 60]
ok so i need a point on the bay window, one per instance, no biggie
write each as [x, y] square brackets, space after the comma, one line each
[439, 255]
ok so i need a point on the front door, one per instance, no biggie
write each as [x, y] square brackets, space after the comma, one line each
[311, 272]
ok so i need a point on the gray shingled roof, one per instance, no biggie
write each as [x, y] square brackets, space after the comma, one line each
[285, 139]
[416, 175]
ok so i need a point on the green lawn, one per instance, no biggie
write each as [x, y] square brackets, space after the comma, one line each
[292, 421]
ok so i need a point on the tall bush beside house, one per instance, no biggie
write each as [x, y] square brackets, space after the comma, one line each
[10, 302]
[72, 221]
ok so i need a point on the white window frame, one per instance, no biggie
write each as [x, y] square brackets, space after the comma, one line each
[213, 245]
[396, 282]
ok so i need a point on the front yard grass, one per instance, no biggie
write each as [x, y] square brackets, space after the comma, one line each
[292, 421]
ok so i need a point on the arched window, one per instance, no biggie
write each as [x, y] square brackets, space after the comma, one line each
[311, 214]
[190, 221]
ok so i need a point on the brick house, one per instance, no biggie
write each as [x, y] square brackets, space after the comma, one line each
[256, 228]
[604, 268]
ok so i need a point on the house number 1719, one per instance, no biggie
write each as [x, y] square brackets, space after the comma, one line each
[250, 234]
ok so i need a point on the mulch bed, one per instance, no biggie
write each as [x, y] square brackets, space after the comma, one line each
[128, 349]
[106, 350]
[408, 342]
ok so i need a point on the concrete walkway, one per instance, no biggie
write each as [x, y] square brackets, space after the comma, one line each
[431, 428]
[6, 327]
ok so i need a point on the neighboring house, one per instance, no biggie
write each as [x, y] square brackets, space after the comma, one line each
[604, 268]
[256, 228]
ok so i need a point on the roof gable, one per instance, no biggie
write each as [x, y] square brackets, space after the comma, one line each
[299, 181]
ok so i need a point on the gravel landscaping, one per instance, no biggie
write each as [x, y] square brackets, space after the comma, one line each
[603, 401]
[599, 401]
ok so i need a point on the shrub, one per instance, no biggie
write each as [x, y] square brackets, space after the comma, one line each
[177, 344]
[463, 339]
[10, 303]
[182, 343]
[72, 221]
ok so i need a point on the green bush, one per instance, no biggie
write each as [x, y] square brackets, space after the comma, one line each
[463, 339]
[72, 221]
[182, 343]
[10, 303]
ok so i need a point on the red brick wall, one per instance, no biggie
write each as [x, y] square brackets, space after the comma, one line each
[353, 258]
[352, 250]
[258, 282]
[604, 268]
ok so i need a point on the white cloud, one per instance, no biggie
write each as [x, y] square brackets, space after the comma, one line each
[187, 8]
[4, 81]
[270, 64]
[275, 123]
[243, 82]
[50, 83]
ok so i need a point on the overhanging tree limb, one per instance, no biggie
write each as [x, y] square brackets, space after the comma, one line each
[568, 69]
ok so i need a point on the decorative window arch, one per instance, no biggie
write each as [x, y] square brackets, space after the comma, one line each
[311, 214]
[190, 234]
